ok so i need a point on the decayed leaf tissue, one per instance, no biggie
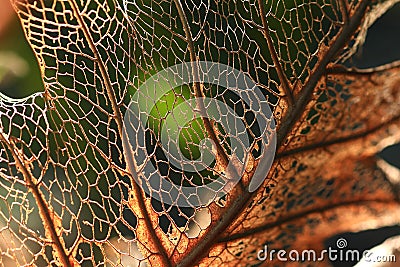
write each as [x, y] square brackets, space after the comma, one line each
[195, 133]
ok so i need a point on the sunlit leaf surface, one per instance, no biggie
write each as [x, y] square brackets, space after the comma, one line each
[68, 195]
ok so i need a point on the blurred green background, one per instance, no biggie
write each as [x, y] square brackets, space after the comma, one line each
[19, 70]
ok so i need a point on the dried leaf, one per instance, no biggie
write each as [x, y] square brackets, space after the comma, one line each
[71, 181]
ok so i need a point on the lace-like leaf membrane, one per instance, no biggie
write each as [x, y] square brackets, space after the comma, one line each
[68, 196]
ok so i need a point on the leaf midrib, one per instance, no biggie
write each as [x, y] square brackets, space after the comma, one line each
[294, 112]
